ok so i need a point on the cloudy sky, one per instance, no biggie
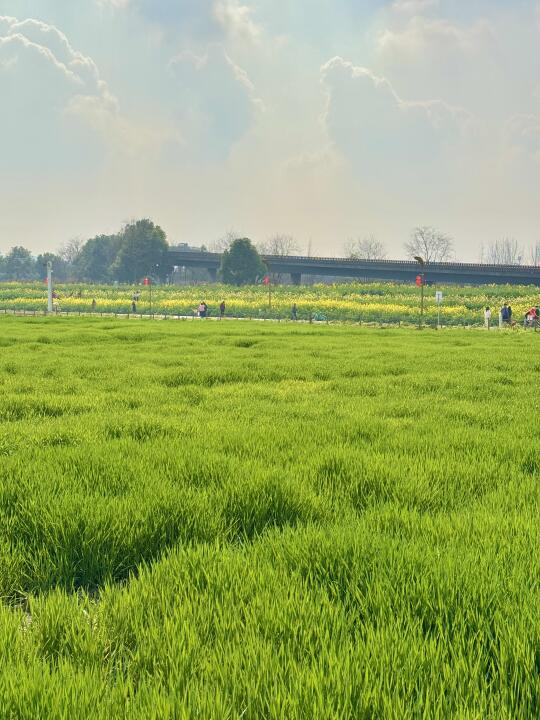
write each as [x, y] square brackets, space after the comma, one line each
[324, 119]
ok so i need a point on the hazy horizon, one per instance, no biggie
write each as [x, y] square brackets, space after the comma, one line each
[324, 120]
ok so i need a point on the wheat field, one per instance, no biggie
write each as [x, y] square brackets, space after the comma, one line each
[242, 520]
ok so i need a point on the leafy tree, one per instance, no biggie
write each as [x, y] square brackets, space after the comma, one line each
[143, 252]
[61, 268]
[430, 244]
[241, 264]
[97, 257]
[19, 264]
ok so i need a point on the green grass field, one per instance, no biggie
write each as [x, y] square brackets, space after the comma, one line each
[251, 521]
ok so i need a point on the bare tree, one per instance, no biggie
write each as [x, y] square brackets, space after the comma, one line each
[535, 255]
[505, 252]
[70, 250]
[279, 244]
[367, 248]
[224, 243]
[430, 244]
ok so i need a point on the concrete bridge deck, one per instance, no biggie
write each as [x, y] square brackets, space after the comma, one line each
[396, 270]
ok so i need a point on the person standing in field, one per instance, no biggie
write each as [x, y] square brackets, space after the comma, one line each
[506, 314]
[133, 306]
[94, 305]
[487, 317]
[222, 309]
[531, 317]
[294, 312]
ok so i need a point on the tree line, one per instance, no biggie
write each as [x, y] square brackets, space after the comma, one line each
[433, 245]
[425, 241]
[140, 249]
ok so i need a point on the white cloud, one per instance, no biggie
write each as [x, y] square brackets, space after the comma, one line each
[483, 64]
[414, 7]
[215, 101]
[236, 19]
[399, 144]
[44, 60]
[420, 36]
[522, 136]
[189, 22]
[377, 129]
[113, 3]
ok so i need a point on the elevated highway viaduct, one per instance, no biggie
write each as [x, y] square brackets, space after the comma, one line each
[396, 270]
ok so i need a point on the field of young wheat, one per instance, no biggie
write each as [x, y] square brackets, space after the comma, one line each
[354, 302]
[235, 520]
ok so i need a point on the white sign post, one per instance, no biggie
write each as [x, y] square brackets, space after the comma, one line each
[49, 287]
[439, 299]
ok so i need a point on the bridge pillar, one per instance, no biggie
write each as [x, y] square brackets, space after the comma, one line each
[213, 274]
[296, 278]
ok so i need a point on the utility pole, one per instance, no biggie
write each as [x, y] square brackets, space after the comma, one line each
[439, 297]
[151, 282]
[422, 263]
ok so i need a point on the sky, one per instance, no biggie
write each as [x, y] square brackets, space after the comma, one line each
[321, 119]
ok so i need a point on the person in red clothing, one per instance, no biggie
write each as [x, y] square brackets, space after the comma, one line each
[531, 317]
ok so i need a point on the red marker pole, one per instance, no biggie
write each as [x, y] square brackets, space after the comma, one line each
[266, 281]
[422, 303]
[148, 281]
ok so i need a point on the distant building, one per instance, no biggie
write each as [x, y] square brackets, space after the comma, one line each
[185, 247]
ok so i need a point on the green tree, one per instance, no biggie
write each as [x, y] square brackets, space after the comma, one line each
[61, 268]
[20, 265]
[241, 264]
[143, 252]
[97, 258]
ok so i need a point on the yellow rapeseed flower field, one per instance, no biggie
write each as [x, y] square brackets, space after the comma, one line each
[354, 302]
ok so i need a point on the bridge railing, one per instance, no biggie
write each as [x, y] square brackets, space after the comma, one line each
[311, 259]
